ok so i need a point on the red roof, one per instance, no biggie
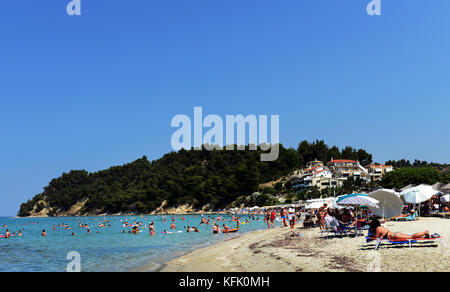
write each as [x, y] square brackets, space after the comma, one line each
[342, 161]
[321, 171]
[310, 169]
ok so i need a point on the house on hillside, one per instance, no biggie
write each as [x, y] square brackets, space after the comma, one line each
[376, 172]
[344, 168]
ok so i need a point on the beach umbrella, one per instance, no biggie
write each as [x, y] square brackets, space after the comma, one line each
[446, 188]
[445, 199]
[314, 205]
[438, 186]
[419, 194]
[390, 203]
[334, 204]
[340, 198]
[359, 201]
[407, 187]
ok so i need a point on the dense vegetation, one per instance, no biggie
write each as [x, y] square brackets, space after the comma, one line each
[414, 175]
[403, 163]
[200, 178]
[322, 152]
[186, 177]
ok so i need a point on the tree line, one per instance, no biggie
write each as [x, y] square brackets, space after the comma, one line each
[195, 177]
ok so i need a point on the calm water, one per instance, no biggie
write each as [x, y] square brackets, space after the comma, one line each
[108, 250]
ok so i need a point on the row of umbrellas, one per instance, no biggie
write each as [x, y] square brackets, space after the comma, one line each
[388, 203]
[384, 202]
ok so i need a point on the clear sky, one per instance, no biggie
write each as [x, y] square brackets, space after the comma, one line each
[101, 89]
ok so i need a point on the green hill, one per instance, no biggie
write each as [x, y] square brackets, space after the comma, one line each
[197, 178]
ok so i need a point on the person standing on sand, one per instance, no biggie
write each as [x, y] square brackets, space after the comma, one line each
[284, 217]
[321, 216]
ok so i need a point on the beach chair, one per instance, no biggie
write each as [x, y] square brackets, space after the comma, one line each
[410, 242]
[444, 215]
[328, 232]
[412, 217]
[349, 230]
[359, 229]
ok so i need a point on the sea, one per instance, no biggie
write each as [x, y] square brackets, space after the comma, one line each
[106, 249]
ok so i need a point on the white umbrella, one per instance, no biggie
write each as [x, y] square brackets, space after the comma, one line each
[419, 194]
[390, 203]
[446, 188]
[445, 199]
[334, 204]
[314, 205]
[360, 201]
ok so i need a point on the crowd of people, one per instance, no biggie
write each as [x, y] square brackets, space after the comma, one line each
[325, 218]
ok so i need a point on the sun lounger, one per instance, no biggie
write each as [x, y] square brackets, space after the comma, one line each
[401, 241]
[344, 229]
[326, 233]
[412, 217]
[445, 215]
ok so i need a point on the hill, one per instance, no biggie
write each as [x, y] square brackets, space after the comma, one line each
[191, 180]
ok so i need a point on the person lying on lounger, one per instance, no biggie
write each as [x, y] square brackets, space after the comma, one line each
[411, 212]
[379, 231]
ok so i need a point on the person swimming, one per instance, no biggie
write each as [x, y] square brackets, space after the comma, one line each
[44, 233]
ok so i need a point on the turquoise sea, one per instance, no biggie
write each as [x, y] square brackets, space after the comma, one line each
[104, 249]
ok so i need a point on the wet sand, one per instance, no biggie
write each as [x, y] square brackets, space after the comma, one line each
[276, 251]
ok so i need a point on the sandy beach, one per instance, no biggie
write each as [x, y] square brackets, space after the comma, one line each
[275, 251]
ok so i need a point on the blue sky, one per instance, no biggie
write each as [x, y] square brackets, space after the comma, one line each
[101, 89]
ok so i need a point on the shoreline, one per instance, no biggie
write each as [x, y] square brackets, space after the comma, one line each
[128, 215]
[275, 251]
[161, 266]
